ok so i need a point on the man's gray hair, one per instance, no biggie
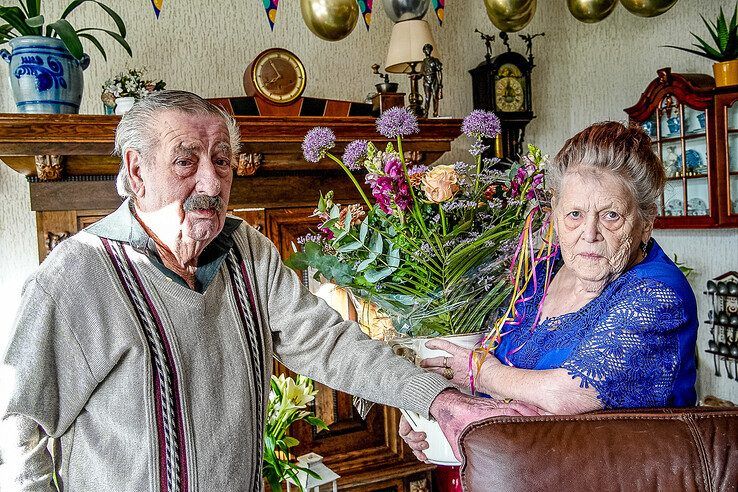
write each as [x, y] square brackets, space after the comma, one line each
[137, 129]
[623, 151]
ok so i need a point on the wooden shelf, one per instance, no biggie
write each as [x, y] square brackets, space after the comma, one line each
[677, 138]
[693, 176]
[283, 176]
[90, 138]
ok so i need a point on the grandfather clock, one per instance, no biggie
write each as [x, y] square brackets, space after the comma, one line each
[502, 84]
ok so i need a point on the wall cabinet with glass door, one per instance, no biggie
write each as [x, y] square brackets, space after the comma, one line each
[726, 112]
[677, 112]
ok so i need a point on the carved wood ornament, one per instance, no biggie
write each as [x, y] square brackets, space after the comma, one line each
[249, 163]
[414, 157]
[54, 238]
[50, 167]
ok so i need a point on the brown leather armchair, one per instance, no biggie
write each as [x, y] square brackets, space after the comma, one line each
[629, 450]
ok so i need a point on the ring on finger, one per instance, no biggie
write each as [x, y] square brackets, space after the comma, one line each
[448, 373]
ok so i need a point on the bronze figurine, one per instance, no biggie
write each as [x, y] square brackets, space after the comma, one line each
[432, 71]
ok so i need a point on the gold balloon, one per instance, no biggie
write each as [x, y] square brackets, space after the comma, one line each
[591, 11]
[510, 15]
[331, 20]
[648, 8]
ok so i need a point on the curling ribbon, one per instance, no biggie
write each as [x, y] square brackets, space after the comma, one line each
[524, 266]
[157, 4]
[366, 11]
[270, 6]
[438, 6]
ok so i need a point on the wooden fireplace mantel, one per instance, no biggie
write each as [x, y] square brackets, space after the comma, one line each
[68, 160]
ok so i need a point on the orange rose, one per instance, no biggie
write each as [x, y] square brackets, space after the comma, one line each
[441, 183]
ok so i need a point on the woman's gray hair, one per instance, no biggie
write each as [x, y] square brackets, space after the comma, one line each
[625, 152]
[137, 129]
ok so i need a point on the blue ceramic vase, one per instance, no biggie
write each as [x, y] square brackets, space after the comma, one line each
[44, 76]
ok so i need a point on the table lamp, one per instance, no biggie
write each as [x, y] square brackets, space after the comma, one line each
[405, 53]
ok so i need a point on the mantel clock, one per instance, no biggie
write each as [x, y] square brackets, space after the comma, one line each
[277, 75]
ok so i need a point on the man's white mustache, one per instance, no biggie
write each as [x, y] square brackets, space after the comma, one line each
[204, 202]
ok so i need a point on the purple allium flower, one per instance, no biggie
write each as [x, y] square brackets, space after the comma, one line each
[317, 142]
[354, 154]
[481, 124]
[396, 122]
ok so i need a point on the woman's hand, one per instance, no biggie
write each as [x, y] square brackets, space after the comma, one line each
[416, 440]
[455, 367]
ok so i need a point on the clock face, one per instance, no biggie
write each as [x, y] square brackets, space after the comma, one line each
[509, 89]
[279, 76]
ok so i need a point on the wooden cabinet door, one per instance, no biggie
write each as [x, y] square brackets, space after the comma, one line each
[726, 110]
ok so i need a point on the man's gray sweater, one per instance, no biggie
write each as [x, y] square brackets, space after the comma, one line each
[80, 369]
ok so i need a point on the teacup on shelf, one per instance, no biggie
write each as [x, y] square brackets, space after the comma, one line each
[674, 125]
[701, 120]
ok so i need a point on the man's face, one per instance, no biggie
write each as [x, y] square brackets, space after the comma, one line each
[186, 181]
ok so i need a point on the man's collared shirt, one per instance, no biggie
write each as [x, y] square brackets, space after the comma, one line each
[122, 226]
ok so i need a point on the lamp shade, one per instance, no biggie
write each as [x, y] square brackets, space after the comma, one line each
[406, 45]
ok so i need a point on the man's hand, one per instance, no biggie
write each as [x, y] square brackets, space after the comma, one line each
[416, 440]
[454, 411]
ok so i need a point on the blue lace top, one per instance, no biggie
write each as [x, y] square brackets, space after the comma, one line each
[634, 343]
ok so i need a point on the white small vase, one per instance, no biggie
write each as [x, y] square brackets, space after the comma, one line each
[123, 104]
[439, 450]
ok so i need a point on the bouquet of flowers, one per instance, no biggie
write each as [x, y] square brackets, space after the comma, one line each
[433, 249]
[130, 83]
[288, 400]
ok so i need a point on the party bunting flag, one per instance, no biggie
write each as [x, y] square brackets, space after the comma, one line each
[157, 4]
[366, 11]
[438, 6]
[271, 10]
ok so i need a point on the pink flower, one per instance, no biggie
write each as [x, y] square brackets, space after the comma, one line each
[441, 183]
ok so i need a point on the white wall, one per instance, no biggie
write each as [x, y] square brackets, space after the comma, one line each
[585, 73]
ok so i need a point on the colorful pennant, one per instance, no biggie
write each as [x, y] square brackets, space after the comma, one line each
[438, 6]
[271, 10]
[366, 11]
[157, 4]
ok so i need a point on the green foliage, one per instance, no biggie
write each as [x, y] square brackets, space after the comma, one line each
[685, 269]
[27, 20]
[724, 36]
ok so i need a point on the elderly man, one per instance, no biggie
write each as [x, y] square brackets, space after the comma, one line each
[144, 343]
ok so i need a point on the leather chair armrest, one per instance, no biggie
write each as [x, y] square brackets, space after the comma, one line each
[682, 449]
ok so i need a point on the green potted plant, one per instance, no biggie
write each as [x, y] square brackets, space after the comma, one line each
[47, 59]
[725, 51]
[288, 401]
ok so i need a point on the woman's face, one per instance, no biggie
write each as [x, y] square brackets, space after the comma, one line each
[599, 228]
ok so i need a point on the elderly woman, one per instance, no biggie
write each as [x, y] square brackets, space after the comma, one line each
[619, 322]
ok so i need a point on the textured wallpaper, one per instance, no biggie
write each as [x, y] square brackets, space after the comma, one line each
[585, 73]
